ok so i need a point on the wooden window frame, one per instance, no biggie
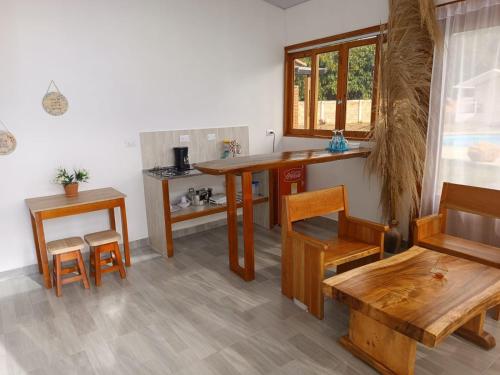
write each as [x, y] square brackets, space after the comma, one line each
[312, 49]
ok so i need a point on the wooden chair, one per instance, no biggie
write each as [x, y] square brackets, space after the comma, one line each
[304, 259]
[430, 231]
[104, 242]
[66, 250]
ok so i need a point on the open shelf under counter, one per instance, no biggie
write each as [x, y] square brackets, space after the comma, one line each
[161, 219]
[193, 212]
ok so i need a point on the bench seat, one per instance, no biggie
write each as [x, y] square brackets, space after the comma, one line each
[343, 250]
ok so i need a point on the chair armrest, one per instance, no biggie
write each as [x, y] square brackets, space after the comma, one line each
[426, 226]
[364, 230]
[307, 240]
[367, 224]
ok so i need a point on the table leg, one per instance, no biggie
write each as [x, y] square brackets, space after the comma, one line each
[249, 267]
[247, 272]
[168, 219]
[386, 350]
[112, 220]
[232, 223]
[473, 331]
[37, 246]
[496, 313]
[40, 238]
[126, 246]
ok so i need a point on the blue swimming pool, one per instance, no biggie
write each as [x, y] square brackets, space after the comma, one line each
[470, 139]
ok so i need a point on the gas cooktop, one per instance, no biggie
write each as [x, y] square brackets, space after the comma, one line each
[171, 172]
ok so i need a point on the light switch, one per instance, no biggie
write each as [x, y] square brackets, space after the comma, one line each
[211, 137]
[184, 138]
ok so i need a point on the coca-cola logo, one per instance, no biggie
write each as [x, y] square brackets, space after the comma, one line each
[293, 174]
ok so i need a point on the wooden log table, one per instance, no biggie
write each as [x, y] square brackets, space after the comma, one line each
[244, 166]
[398, 301]
[51, 207]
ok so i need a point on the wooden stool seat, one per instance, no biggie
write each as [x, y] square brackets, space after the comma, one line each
[66, 250]
[102, 238]
[104, 242]
[65, 245]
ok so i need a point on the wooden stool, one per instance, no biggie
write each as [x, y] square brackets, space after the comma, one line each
[66, 250]
[104, 242]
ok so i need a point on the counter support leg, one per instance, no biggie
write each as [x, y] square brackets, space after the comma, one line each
[168, 219]
[232, 223]
[249, 268]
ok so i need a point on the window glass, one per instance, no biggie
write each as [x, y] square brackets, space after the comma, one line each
[360, 88]
[328, 73]
[301, 96]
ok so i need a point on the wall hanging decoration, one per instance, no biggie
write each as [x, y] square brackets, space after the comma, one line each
[54, 102]
[7, 140]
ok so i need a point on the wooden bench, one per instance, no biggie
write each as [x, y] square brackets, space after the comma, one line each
[430, 231]
[305, 259]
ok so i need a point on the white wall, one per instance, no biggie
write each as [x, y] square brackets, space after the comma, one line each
[317, 19]
[125, 66]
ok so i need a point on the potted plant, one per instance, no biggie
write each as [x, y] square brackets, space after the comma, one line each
[70, 181]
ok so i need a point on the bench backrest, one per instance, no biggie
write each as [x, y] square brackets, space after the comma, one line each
[315, 203]
[471, 199]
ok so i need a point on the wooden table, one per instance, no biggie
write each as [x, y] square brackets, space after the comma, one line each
[397, 301]
[244, 166]
[54, 206]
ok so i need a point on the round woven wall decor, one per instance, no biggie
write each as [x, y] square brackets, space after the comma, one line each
[7, 142]
[54, 102]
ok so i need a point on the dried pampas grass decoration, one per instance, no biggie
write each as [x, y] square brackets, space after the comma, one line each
[403, 97]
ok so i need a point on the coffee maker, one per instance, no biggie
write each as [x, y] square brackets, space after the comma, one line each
[181, 158]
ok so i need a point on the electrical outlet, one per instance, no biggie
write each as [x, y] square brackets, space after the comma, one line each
[211, 137]
[184, 138]
[269, 132]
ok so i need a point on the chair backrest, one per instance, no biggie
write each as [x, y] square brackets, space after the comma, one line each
[471, 199]
[315, 203]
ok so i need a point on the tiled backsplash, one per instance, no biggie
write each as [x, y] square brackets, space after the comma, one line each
[157, 147]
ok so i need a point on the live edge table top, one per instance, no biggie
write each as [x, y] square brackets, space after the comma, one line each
[54, 202]
[254, 163]
[401, 293]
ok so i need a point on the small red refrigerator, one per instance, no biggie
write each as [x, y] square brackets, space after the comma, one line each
[290, 181]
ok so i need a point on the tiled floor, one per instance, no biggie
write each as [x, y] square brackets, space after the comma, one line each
[190, 315]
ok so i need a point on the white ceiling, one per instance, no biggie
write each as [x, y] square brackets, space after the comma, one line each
[284, 4]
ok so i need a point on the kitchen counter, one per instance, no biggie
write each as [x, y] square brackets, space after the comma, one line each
[285, 159]
[245, 166]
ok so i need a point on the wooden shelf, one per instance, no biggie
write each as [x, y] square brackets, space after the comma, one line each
[192, 212]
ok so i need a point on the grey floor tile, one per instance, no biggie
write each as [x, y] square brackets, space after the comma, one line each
[191, 315]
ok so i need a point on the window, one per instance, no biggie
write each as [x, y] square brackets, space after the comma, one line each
[330, 84]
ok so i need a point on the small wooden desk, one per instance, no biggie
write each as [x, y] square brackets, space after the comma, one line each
[54, 206]
[396, 302]
[245, 165]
